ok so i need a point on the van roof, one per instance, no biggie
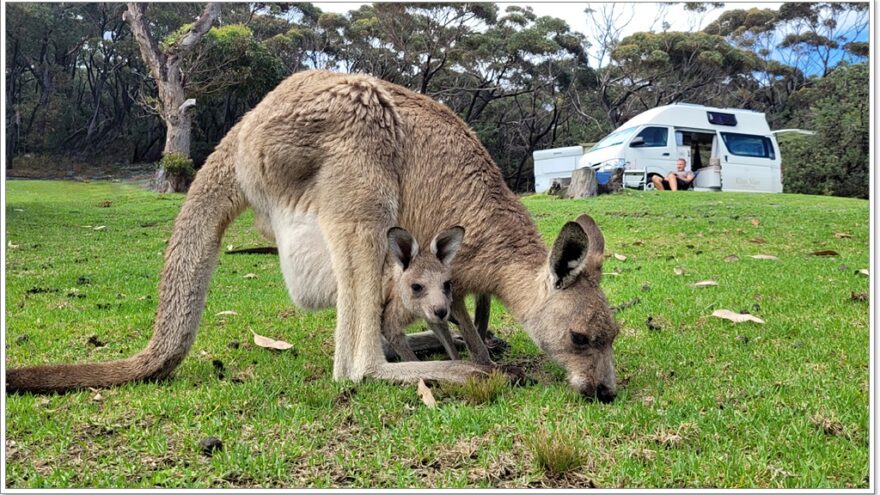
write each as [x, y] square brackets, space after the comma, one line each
[695, 116]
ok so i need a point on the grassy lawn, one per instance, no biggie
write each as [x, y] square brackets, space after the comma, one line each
[702, 402]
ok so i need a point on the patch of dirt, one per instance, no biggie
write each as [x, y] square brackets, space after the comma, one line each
[344, 398]
[534, 368]
[572, 479]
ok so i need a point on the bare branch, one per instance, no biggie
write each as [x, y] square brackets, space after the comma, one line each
[198, 29]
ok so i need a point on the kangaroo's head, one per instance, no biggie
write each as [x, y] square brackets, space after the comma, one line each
[422, 279]
[571, 320]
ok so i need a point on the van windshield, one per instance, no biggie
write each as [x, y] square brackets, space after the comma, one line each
[614, 138]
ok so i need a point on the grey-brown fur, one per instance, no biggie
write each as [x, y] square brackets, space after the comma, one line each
[363, 155]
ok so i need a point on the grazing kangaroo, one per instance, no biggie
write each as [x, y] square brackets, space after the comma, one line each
[356, 155]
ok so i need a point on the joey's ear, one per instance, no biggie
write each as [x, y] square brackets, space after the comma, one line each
[403, 246]
[446, 244]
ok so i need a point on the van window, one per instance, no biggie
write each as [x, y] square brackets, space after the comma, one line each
[614, 138]
[654, 137]
[748, 145]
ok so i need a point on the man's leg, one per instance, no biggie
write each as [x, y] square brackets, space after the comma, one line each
[658, 182]
[673, 182]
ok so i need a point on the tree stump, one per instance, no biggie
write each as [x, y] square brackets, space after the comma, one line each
[583, 183]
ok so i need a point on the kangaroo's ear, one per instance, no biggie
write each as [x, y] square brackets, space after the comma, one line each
[403, 246]
[446, 244]
[579, 247]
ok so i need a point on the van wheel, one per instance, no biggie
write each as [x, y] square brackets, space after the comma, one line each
[649, 184]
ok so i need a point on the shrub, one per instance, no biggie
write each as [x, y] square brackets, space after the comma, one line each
[178, 165]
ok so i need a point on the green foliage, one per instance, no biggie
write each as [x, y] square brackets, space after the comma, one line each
[836, 160]
[178, 165]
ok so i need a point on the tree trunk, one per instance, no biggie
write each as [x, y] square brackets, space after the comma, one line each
[165, 68]
[583, 183]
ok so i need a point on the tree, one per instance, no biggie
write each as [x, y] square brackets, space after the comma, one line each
[836, 160]
[652, 69]
[165, 66]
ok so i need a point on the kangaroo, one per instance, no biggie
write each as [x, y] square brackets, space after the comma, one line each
[419, 282]
[357, 155]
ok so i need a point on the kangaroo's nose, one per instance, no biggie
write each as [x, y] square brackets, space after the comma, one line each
[605, 394]
[441, 313]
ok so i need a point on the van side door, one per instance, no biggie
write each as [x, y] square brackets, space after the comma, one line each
[749, 163]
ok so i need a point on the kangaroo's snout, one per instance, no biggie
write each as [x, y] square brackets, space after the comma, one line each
[441, 313]
[602, 392]
[605, 394]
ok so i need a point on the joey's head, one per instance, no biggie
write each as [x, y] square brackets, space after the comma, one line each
[423, 279]
[571, 321]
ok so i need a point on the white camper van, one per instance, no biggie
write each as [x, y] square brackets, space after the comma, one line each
[727, 149]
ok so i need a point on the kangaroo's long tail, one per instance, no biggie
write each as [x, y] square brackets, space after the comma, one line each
[214, 200]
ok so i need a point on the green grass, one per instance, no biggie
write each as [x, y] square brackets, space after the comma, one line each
[702, 402]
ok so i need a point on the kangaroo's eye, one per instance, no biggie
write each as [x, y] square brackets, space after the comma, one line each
[579, 339]
[416, 288]
[447, 287]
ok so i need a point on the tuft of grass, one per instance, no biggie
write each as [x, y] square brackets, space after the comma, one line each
[554, 452]
[478, 390]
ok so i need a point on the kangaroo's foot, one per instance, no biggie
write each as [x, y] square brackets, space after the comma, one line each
[427, 343]
[496, 346]
[445, 371]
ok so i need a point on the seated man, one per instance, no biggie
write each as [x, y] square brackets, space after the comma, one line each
[680, 179]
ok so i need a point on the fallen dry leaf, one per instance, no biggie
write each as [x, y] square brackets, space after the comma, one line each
[250, 275]
[427, 396]
[704, 283]
[97, 397]
[270, 343]
[858, 296]
[10, 245]
[765, 257]
[619, 257]
[758, 240]
[613, 274]
[227, 313]
[756, 222]
[730, 258]
[864, 271]
[842, 235]
[826, 252]
[100, 227]
[735, 317]
[678, 270]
